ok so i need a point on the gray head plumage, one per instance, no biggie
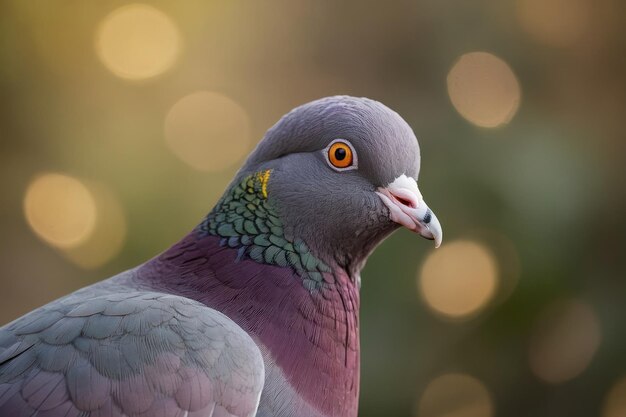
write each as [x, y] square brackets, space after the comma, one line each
[342, 214]
[385, 143]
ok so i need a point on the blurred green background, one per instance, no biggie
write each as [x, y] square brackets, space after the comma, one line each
[121, 124]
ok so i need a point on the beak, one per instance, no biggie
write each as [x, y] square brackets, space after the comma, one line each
[407, 207]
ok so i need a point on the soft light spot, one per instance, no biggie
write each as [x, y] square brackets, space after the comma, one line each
[137, 42]
[565, 339]
[554, 22]
[109, 234]
[455, 395]
[484, 89]
[615, 402]
[60, 210]
[459, 279]
[505, 252]
[208, 131]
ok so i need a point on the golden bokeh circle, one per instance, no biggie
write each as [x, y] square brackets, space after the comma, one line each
[554, 22]
[60, 209]
[509, 264]
[208, 131]
[109, 234]
[484, 89]
[137, 42]
[455, 395]
[615, 401]
[565, 338]
[458, 279]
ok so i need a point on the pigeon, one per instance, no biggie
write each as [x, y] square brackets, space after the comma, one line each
[255, 311]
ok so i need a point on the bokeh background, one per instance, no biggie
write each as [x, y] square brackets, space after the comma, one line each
[121, 124]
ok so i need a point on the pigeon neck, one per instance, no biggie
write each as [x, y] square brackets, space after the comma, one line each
[309, 338]
[302, 311]
[246, 220]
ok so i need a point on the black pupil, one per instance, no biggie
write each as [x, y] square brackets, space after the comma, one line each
[340, 154]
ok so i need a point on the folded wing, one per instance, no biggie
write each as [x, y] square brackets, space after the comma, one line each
[138, 354]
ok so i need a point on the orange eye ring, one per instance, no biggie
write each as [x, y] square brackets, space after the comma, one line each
[340, 155]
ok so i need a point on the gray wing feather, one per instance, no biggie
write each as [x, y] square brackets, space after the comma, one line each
[138, 354]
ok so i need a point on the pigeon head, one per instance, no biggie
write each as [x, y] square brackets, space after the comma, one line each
[340, 174]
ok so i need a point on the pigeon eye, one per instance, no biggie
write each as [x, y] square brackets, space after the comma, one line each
[340, 155]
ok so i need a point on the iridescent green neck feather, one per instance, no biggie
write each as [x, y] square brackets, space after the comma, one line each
[246, 220]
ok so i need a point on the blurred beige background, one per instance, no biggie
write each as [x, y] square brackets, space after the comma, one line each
[121, 124]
